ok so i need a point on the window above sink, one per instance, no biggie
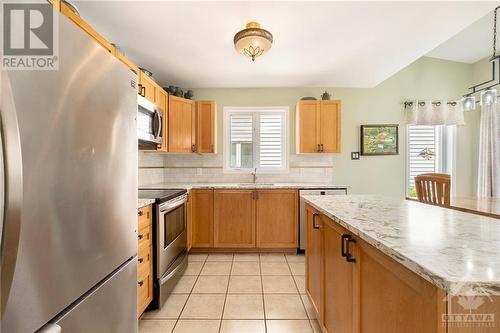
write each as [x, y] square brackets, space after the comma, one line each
[256, 138]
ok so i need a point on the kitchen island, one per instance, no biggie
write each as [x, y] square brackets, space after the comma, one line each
[382, 264]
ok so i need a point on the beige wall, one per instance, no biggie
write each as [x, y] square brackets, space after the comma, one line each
[427, 78]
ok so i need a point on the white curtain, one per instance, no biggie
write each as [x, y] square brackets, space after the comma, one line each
[488, 184]
[434, 113]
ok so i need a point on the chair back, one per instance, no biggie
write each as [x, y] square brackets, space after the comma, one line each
[433, 188]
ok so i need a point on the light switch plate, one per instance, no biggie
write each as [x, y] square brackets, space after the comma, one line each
[355, 155]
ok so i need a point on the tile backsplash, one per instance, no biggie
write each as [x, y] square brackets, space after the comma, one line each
[158, 168]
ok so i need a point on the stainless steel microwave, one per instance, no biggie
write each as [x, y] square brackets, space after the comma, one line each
[149, 122]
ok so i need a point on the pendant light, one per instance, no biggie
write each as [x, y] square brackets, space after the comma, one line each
[253, 41]
[488, 95]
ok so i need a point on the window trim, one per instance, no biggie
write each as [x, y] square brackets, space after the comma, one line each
[228, 110]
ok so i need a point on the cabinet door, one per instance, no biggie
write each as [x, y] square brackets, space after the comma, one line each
[234, 218]
[147, 87]
[330, 126]
[161, 101]
[314, 259]
[307, 126]
[206, 126]
[391, 298]
[277, 222]
[181, 122]
[338, 281]
[202, 218]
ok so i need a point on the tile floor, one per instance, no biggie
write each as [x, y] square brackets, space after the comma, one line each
[237, 293]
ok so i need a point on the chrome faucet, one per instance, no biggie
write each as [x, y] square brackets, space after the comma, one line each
[254, 175]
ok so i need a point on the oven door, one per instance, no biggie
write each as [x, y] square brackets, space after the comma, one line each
[171, 238]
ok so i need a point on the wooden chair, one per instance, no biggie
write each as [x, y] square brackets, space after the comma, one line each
[433, 188]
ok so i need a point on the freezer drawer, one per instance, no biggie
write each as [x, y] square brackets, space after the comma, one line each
[111, 308]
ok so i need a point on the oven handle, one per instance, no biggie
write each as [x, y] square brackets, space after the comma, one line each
[179, 266]
[173, 204]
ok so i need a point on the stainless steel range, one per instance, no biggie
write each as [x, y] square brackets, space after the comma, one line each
[169, 240]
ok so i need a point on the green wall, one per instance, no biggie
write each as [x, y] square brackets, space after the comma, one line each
[426, 78]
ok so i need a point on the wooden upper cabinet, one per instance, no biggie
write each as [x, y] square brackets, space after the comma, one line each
[307, 127]
[314, 257]
[162, 101]
[276, 218]
[234, 218]
[181, 125]
[147, 87]
[206, 126]
[202, 218]
[329, 117]
[318, 126]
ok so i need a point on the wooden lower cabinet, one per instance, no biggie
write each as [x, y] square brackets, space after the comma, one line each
[370, 292]
[144, 259]
[234, 219]
[338, 303]
[202, 218]
[277, 218]
[314, 257]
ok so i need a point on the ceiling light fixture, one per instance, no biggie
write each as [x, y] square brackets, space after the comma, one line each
[253, 41]
[488, 94]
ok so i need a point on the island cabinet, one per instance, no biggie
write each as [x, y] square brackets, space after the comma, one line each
[354, 287]
[181, 125]
[318, 126]
[144, 259]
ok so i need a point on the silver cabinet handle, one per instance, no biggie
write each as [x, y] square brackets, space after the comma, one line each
[12, 180]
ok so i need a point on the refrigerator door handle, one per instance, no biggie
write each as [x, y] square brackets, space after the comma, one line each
[12, 187]
[50, 328]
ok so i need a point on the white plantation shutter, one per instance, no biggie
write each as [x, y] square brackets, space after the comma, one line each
[420, 138]
[241, 128]
[256, 138]
[271, 141]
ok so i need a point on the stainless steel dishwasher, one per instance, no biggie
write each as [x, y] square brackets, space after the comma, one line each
[302, 221]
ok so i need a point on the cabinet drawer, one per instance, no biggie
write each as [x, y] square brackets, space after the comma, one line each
[144, 292]
[144, 259]
[144, 236]
[145, 216]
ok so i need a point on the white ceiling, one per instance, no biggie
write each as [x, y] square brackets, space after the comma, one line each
[469, 45]
[342, 44]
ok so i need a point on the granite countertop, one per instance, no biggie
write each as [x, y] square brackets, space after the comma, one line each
[145, 202]
[456, 251]
[242, 185]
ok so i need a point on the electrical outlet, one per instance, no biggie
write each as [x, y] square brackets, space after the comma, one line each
[355, 155]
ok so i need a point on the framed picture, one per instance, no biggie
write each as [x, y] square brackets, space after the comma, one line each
[379, 139]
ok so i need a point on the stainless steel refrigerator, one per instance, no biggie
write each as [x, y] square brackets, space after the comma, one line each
[69, 172]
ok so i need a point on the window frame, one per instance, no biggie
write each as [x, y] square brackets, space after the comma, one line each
[445, 151]
[256, 112]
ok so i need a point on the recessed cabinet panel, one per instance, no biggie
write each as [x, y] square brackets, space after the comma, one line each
[277, 222]
[202, 218]
[181, 125]
[234, 218]
[206, 134]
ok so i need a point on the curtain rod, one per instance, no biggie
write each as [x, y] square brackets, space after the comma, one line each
[422, 103]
